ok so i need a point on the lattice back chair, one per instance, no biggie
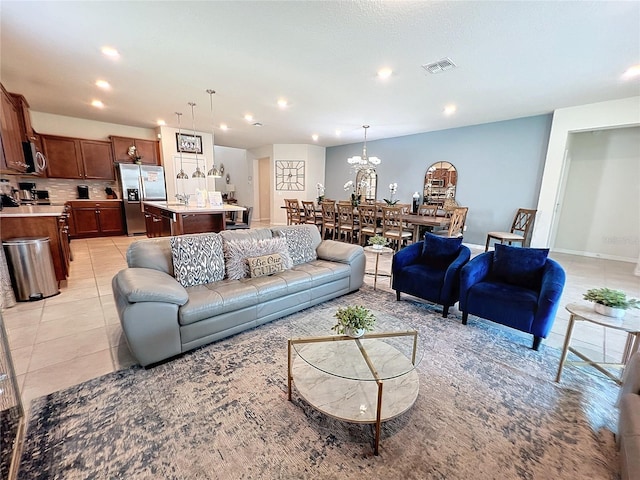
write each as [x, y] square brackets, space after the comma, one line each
[347, 222]
[294, 212]
[311, 216]
[428, 210]
[520, 229]
[369, 218]
[456, 227]
[329, 222]
[392, 226]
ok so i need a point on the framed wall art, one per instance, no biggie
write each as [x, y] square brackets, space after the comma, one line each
[290, 175]
[189, 143]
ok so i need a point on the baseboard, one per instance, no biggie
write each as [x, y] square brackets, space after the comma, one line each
[595, 255]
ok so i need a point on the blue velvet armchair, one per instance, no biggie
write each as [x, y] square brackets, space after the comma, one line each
[514, 286]
[430, 270]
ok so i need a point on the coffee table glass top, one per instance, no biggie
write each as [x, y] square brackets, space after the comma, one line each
[397, 350]
[629, 323]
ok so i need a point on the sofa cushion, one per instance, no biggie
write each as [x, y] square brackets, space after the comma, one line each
[197, 258]
[300, 244]
[265, 265]
[438, 252]
[236, 253]
[519, 266]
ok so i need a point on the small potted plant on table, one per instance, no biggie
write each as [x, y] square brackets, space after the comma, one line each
[612, 303]
[354, 321]
[378, 242]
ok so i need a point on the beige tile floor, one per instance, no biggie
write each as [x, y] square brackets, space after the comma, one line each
[75, 336]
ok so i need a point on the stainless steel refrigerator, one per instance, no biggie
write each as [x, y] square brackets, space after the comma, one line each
[140, 183]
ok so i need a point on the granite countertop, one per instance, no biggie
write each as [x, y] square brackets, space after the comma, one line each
[95, 200]
[33, 211]
[176, 207]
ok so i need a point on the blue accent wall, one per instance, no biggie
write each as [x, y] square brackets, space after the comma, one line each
[499, 165]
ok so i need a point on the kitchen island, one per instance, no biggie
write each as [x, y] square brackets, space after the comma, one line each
[171, 218]
[40, 221]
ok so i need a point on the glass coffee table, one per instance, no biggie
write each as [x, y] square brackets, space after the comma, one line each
[368, 380]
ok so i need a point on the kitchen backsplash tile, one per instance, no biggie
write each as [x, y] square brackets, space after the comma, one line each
[62, 190]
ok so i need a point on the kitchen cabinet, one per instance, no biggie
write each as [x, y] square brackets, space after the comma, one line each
[158, 221]
[96, 219]
[78, 158]
[148, 150]
[12, 160]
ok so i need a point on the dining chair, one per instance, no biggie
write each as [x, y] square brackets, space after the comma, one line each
[329, 218]
[369, 227]
[520, 229]
[392, 226]
[311, 215]
[347, 222]
[294, 213]
[245, 223]
[456, 227]
[428, 210]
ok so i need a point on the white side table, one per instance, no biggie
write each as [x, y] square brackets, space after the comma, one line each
[585, 313]
[378, 252]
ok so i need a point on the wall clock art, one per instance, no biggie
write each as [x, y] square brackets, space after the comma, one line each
[290, 175]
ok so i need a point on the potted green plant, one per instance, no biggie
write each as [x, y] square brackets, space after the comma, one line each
[609, 302]
[354, 321]
[378, 242]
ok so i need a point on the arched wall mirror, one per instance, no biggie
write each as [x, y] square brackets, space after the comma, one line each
[440, 183]
[366, 184]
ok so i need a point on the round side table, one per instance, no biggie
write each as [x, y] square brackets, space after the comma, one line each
[378, 252]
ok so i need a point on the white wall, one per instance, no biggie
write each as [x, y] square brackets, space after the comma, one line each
[595, 116]
[603, 177]
[314, 158]
[48, 123]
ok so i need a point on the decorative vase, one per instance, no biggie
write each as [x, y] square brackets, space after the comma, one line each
[354, 333]
[609, 311]
[377, 247]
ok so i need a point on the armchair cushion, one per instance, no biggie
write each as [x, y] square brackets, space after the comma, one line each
[438, 252]
[519, 266]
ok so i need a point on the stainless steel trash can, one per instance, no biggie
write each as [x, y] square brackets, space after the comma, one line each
[31, 267]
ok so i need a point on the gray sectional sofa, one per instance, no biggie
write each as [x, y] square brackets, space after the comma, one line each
[629, 420]
[162, 318]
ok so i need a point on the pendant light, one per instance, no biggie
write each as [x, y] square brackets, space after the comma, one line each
[198, 173]
[181, 175]
[214, 172]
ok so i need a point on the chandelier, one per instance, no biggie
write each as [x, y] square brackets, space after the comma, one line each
[362, 162]
[214, 172]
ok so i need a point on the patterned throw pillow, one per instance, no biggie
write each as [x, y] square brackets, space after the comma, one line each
[300, 244]
[197, 259]
[265, 265]
[236, 253]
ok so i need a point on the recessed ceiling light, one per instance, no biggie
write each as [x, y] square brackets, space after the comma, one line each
[315, 137]
[248, 117]
[103, 84]
[384, 73]
[110, 52]
[97, 104]
[450, 109]
[282, 103]
[338, 133]
[162, 123]
[632, 72]
[223, 126]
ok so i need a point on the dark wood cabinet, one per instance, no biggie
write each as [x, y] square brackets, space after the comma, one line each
[96, 219]
[148, 150]
[12, 135]
[79, 158]
[157, 221]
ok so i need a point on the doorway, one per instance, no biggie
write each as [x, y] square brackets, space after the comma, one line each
[264, 188]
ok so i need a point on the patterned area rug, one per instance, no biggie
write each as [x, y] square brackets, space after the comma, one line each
[488, 408]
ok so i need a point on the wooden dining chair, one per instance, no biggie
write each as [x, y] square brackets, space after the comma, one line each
[369, 217]
[329, 218]
[456, 227]
[428, 210]
[347, 222]
[392, 226]
[311, 215]
[294, 212]
[520, 229]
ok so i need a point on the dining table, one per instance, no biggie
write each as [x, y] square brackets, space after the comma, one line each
[429, 221]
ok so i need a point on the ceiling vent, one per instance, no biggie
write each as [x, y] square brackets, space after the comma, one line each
[440, 66]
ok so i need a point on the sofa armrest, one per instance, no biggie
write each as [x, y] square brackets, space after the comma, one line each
[452, 277]
[553, 279]
[341, 252]
[148, 285]
[408, 255]
[475, 271]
